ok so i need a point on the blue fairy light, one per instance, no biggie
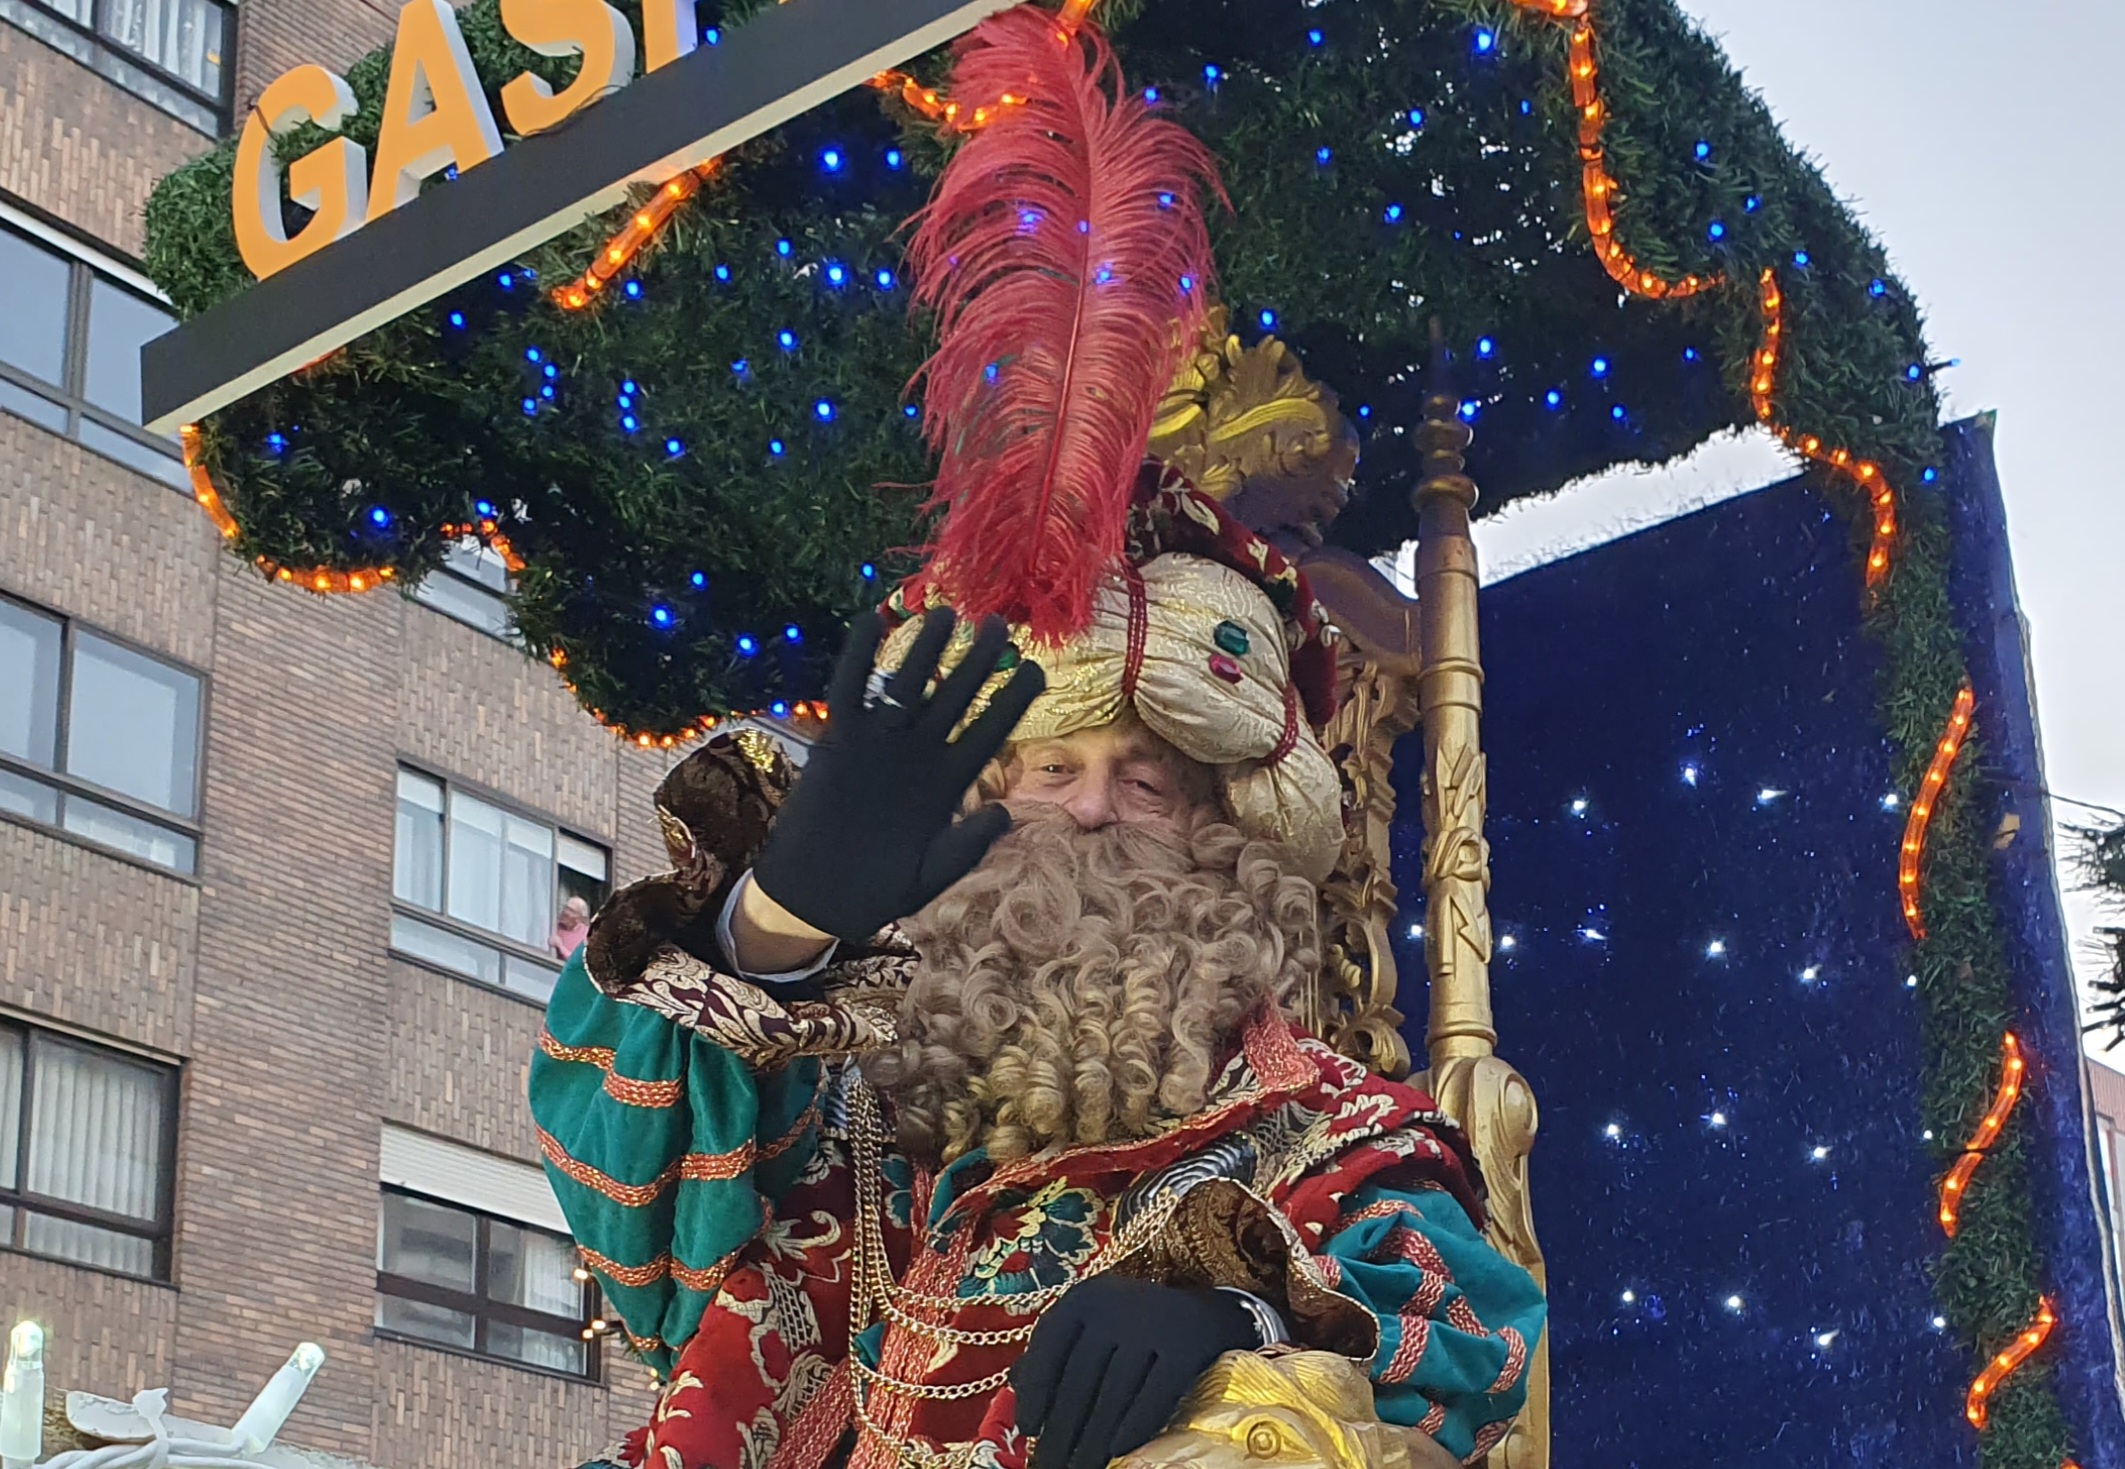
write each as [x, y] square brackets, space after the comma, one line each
[779, 709]
[531, 354]
[505, 280]
[893, 158]
[1103, 275]
[1877, 287]
[990, 373]
[546, 390]
[831, 160]
[1187, 284]
[1716, 230]
[867, 571]
[1554, 398]
[713, 35]
[660, 615]
[1469, 409]
[699, 579]
[747, 645]
[1323, 154]
[457, 319]
[633, 290]
[277, 441]
[823, 410]
[629, 422]
[784, 248]
[911, 411]
[1800, 258]
[1393, 214]
[674, 448]
[1315, 37]
[775, 447]
[741, 367]
[1151, 94]
[793, 634]
[625, 400]
[379, 517]
[1617, 413]
[885, 279]
[1527, 108]
[722, 272]
[1485, 41]
[1211, 74]
[1600, 367]
[1486, 347]
[1689, 354]
[1267, 318]
[836, 274]
[1751, 204]
[1930, 474]
[1364, 410]
[552, 371]
[627, 385]
[1914, 372]
[531, 407]
[485, 508]
[786, 339]
[1416, 117]
[1704, 150]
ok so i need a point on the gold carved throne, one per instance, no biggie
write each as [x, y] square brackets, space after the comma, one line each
[1249, 427]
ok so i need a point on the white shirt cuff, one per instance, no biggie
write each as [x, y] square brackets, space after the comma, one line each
[728, 943]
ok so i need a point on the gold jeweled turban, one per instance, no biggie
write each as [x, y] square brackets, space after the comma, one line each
[1206, 659]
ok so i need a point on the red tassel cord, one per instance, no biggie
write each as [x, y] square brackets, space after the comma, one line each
[1066, 258]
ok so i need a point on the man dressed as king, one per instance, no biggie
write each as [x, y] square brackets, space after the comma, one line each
[943, 1106]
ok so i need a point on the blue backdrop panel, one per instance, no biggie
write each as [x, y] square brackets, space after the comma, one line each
[1699, 971]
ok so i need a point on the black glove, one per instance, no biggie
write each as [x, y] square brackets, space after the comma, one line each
[867, 835]
[1111, 1360]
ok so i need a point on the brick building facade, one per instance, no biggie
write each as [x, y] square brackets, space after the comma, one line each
[277, 872]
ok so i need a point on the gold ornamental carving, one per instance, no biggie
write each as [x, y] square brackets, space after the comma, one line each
[1303, 1410]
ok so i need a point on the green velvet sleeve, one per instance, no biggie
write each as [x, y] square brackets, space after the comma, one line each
[665, 1150]
[1458, 1321]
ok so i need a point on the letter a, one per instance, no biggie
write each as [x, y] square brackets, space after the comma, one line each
[434, 112]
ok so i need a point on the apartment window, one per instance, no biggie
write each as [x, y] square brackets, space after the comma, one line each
[98, 739]
[86, 1142]
[472, 586]
[459, 1278]
[70, 339]
[479, 887]
[169, 52]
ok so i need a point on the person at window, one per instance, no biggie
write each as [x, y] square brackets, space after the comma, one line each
[569, 928]
[945, 1106]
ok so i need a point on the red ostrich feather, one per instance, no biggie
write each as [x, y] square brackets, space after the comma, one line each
[1065, 255]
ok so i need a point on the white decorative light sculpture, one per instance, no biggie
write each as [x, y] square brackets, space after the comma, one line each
[22, 1397]
[270, 1409]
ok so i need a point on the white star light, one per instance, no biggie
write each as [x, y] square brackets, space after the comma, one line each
[1812, 973]
[1717, 1119]
[1767, 795]
[1612, 1130]
[1630, 1297]
[1927, 1135]
[1940, 1323]
[1689, 775]
[1593, 935]
[1891, 801]
[1735, 1304]
[1416, 930]
[1818, 1152]
[1507, 941]
[1579, 806]
[1824, 1338]
[1716, 949]
[1910, 981]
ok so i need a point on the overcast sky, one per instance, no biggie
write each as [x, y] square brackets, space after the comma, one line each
[1985, 146]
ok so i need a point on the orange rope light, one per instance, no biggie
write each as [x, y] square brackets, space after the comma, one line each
[801, 711]
[1596, 183]
[2012, 1068]
[1977, 1407]
[1922, 807]
[639, 230]
[1763, 378]
[322, 580]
